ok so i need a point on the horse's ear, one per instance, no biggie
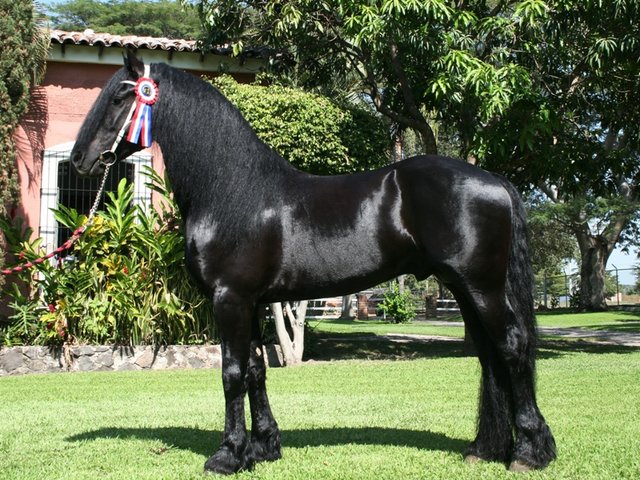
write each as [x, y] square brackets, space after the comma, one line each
[133, 64]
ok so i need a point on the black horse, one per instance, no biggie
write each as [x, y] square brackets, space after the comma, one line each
[260, 231]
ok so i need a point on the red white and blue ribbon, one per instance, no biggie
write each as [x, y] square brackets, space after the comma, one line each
[146, 92]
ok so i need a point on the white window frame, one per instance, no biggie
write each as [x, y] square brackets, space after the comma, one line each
[49, 192]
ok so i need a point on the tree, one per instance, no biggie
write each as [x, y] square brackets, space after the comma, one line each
[405, 54]
[315, 135]
[551, 244]
[156, 18]
[545, 92]
[21, 64]
[575, 136]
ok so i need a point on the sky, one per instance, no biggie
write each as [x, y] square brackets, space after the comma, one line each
[623, 260]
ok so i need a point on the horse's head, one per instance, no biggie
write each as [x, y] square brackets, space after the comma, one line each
[103, 138]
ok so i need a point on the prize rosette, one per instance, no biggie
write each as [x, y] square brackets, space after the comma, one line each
[146, 92]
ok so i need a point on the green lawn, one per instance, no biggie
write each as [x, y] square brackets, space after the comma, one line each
[611, 321]
[341, 420]
[382, 327]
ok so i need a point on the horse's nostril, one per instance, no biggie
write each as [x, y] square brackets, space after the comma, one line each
[76, 158]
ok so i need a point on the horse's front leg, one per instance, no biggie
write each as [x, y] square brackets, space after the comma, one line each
[233, 317]
[265, 435]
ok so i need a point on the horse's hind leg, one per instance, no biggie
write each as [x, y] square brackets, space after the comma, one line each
[494, 439]
[513, 363]
[233, 316]
[535, 446]
[265, 435]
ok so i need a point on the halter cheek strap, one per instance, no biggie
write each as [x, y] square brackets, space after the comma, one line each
[138, 120]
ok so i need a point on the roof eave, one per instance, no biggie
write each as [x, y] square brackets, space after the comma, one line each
[106, 49]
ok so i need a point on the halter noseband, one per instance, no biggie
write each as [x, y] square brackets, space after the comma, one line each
[138, 119]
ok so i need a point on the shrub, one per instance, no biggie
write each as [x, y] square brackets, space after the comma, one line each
[124, 281]
[312, 132]
[398, 305]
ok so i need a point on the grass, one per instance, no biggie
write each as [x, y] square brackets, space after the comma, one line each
[611, 321]
[383, 327]
[596, 322]
[340, 420]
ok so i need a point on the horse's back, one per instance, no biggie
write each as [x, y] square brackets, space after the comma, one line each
[418, 216]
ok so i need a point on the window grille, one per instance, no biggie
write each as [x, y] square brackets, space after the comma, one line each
[62, 186]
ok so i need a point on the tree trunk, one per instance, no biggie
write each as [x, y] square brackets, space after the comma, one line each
[428, 139]
[292, 345]
[401, 283]
[347, 312]
[594, 253]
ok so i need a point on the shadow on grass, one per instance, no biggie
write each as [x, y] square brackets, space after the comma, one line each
[205, 442]
[548, 348]
[323, 346]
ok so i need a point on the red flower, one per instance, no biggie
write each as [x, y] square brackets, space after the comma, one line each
[21, 256]
[52, 308]
[125, 270]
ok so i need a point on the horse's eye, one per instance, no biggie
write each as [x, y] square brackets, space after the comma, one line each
[117, 101]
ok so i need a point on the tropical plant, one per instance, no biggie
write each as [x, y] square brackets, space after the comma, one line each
[124, 282]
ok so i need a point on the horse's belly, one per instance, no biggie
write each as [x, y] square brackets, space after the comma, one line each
[327, 266]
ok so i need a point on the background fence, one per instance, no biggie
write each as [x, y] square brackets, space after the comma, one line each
[554, 291]
[557, 291]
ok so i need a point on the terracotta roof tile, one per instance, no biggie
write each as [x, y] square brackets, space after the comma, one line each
[89, 37]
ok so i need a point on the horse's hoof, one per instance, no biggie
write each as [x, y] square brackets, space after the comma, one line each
[265, 447]
[519, 466]
[224, 463]
[473, 459]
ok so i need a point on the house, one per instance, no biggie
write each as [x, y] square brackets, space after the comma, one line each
[78, 65]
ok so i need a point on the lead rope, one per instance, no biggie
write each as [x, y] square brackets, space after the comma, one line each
[74, 236]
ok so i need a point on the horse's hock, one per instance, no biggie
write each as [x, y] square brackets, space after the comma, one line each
[88, 358]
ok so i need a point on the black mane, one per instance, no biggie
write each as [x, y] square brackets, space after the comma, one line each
[199, 130]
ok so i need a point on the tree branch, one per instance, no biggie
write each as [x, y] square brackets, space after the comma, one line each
[403, 81]
[551, 191]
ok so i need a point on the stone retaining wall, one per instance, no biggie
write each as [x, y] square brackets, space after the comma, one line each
[22, 360]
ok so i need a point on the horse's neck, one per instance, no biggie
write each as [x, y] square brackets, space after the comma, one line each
[213, 157]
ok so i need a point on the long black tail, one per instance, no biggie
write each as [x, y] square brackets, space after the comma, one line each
[520, 280]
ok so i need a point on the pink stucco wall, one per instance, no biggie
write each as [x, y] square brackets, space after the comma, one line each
[56, 111]
[58, 107]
